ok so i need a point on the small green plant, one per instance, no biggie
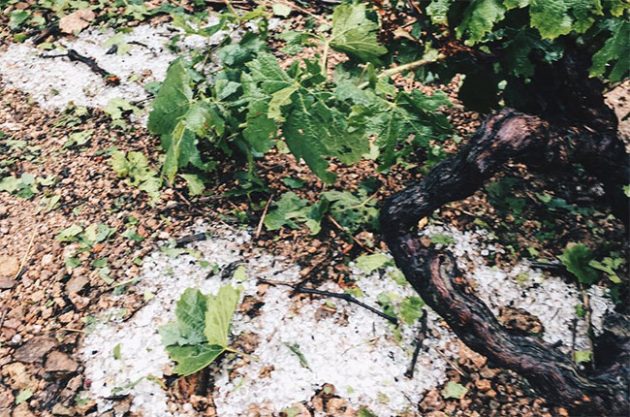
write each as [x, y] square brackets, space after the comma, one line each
[352, 211]
[253, 104]
[609, 266]
[86, 237]
[200, 332]
[291, 210]
[134, 166]
[576, 258]
[26, 186]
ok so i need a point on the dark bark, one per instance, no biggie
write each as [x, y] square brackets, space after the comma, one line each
[514, 136]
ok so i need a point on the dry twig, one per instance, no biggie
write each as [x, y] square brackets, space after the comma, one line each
[422, 333]
[341, 296]
[262, 218]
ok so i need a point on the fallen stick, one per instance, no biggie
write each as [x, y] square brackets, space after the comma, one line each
[419, 340]
[50, 30]
[184, 240]
[347, 232]
[262, 218]
[342, 296]
[24, 261]
[72, 55]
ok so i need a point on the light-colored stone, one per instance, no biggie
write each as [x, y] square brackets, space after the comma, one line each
[16, 375]
[61, 410]
[9, 266]
[47, 259]
[76, 283]
[7, 283]
[22, 410]
[60, 362]
[483, 385]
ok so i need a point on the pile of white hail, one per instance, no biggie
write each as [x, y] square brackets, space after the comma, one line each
[56, 82]
[352, 349]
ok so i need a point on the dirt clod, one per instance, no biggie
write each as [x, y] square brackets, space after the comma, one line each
[35, 349]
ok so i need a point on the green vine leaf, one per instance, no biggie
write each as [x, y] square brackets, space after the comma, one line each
[479, 19]
[614, 57]
[576, 258]
[354, 34]
[199, 333]
[550, 17]
[193, 358]
[221, 308]
[173, 99]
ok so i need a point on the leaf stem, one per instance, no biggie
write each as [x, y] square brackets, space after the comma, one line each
[324, 63]
[406, 67]
[410, 66]
[238, 352]
[232, 10]
[123, 283]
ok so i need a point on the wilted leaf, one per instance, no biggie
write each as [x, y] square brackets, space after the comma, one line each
[295, 349]
[135, 167]
[199, 334]
[96, 233]
[411, 309]
[195, 184]
[23, 396]
[17, 17]
[240, 274]
[353, 212]
[609, 266]
[9, 184]
[193, 358]
[116, 352]
[580, 356]
[291, 210]
[370, 263]
[442, 239]
[79, 138]
[454, 390]
[69, 234]
[117, 106]
[365, 412]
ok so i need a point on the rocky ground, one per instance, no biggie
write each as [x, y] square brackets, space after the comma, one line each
[65, 304]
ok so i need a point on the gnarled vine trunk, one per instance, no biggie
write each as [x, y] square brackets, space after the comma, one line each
[579, 129]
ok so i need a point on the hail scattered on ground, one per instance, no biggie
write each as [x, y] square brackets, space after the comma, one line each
[65, 312]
